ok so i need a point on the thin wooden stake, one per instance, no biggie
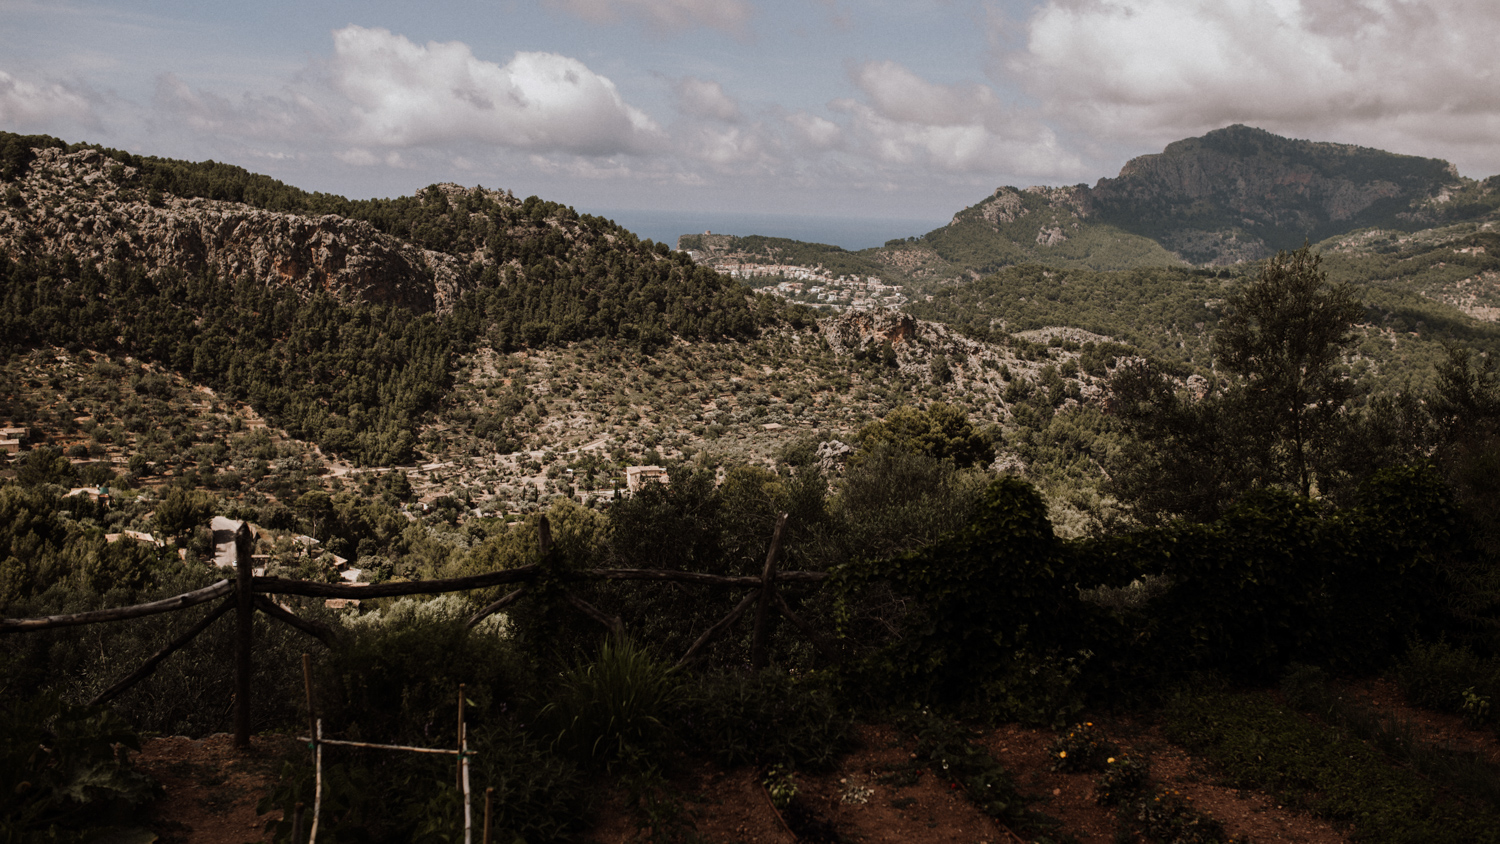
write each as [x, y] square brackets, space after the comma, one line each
[763, 607]
[463, 761]
[317, 737]
[460, 771]
[312, 709]
[489, 798]
[243, 647]
[297, 823]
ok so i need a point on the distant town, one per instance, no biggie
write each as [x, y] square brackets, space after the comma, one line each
[812, 286]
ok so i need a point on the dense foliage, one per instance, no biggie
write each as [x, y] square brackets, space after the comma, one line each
[354, 377]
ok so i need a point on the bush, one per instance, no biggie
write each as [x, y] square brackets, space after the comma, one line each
[1167, 818]
[766, 718]
[1082, 749]
[615, 708]
[1124, 778]
[396, 676]
[1439, 676]
[64, 770]
[385, 796]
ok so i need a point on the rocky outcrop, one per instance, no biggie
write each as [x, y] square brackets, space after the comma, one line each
[1241, 193]
[86, 204]
[858, 330]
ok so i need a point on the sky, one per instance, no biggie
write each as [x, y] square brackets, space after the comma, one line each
[824, 108]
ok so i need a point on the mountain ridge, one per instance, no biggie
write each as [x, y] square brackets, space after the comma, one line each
[1233, 195]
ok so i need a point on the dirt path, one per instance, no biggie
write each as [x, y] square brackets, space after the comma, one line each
[211, 788]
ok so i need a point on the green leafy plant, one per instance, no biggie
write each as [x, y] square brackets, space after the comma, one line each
[781, 783]
[1082, 748]
[1167, 818]
[768, 718]
[64, 770]
[1441, 676]
[1124, 778]
[615, 707]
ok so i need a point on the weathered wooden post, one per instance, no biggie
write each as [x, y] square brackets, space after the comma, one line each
[767, 597]
[244, 623]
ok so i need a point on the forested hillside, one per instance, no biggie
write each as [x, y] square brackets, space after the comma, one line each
[327, 349]
[1070, 491]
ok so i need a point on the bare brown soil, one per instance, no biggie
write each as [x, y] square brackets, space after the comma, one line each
[211, 789]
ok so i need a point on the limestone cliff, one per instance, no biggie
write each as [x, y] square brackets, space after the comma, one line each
[1242, 193]
[91, 206]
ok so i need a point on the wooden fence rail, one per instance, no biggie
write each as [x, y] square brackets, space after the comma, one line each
[248, 594]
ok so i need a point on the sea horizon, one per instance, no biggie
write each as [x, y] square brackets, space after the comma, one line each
[851, 233]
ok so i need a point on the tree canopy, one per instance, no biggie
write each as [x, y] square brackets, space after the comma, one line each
[1284, 337]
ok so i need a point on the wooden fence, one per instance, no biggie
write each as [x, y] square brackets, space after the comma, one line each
[247, 594]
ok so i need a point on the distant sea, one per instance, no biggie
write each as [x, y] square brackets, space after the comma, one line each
[848, 232]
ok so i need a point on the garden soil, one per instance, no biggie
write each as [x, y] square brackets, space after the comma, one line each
[211, 790]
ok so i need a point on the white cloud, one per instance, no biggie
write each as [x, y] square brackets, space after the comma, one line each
[909, 121]
[815, 131]
[27, 103]
[722, 146]
[1395, 71]
[705, 98]
[728, 15]
[901, 95]
[405, 94]
[287, 116]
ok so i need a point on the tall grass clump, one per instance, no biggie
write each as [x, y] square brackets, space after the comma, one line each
[615, 708]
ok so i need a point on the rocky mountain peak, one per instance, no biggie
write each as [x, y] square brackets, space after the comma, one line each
[1241, 193]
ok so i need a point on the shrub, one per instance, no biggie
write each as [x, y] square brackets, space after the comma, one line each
[1082, 749]
[1167, 818]
[379, 795]
[396, 676]
[614, 708]
[64, 770]
[767, 718]
[1124, 778]
[1439, 676]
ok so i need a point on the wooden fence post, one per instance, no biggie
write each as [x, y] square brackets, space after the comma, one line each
[763, 607]
[244, 621]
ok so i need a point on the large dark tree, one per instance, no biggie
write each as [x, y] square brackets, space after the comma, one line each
[1284, 335]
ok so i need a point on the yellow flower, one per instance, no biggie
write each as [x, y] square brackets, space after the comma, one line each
[1062, 754]
[1110, 760]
